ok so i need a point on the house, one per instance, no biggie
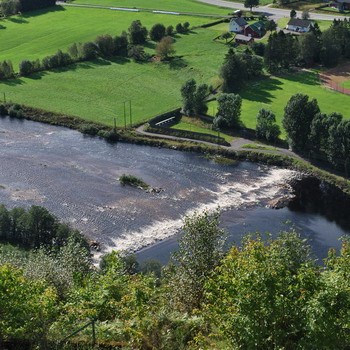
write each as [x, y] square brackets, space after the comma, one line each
[343, 5]
[242, 39]
[237, 25]
[299, 25]
[255, 30]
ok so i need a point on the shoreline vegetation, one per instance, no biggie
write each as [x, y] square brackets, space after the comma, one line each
[111, 134]
[133, 181]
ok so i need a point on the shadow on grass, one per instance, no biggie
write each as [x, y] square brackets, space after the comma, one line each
[37, 76]
[150, 45]
[307, 78]
[261, 91]
[13, 82]
[18, 20]
[119, 59]
[176, 63]
[2, 27]
[57, 8]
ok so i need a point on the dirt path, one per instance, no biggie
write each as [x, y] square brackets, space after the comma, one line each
[335, 76]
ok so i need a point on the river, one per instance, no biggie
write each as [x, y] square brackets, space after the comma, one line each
[76, 178]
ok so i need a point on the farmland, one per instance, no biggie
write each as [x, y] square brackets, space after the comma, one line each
[274, 93]
[41, 33]
[96, 90]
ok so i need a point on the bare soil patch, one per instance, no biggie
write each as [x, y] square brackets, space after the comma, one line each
[335, 76]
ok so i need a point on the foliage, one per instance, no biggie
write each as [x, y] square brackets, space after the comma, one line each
[266, 127]
[193, 98]
[169, 30]
[271, 25]
[136, 52]
[305, 14]
[298, 116]
[251, 3]
[200, 251]
[6, 70]
[309, 47]
[137, 33]
[9, 7]
[165, 48]
[293, 13]
[132, 180]
[258, 48]
[229, 111]
[157, 32]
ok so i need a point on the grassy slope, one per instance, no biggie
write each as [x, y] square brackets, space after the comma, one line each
[41, 33]
[282, 23]
[274, 94]
[192, 124]
[96, 91]
[165, 5]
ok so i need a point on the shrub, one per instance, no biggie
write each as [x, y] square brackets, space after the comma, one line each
[186, 27]
[89, 129]
[89, 51]
[179, 28]
[3, 109]
[106, 45]
[137, 33]
[169, 30]
[26, 67]
[157, 32]
[133, 181]
[6, 70]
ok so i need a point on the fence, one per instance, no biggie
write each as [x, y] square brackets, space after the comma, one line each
[325, 80]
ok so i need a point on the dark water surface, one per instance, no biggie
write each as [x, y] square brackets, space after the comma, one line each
[76, 178]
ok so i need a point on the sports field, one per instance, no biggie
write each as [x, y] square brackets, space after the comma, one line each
[191, 6]
[274, 93]
[97, 90]
[41, 33]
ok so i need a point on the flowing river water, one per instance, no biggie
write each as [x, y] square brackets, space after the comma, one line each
[76, 178]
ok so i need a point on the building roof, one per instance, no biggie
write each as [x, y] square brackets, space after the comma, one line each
[243, 37]
[240, 21]
[299, 22]
[258, 27]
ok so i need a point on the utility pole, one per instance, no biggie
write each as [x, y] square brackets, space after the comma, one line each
[124, 117]
[130, 113]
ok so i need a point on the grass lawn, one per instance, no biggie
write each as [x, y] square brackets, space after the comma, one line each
[196, 125]
[165, 5]
[274, 93]
[282, 23]
[346, 84]
[41, 33]
[96, 90]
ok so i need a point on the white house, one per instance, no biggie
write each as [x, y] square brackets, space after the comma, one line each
[299, 25]
[237, 25]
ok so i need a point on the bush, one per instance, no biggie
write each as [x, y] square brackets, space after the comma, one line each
[133, 181]
[157, 32]
[26, 68]
[6, 70]
[106, 45]
[137, 33]
[169, 30]
[89, 51]
[89, 129]
[136, 52]
[3, 109]
[179, 28]
[186, 27]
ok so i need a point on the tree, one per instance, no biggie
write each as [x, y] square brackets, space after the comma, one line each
[179, 28]
[186, 27]
[259, 297]
[305, 14]
[193, 98]
[331, 48]
[165, 48]
[9, 7]
[157, 32]
[137, 33]
[25, 67]
[271, 25]
[339, 145]
[266, 127]
[226, 36]
[188, 91]
[258, 48]
[169, 30]
[293, 13]
[6, 70]
[136, 52]
[200, 251]
[309, 47]
[298, 116]
[89, 51]
[319, 130]
[106, 45]
[251, 3]
[229, 111]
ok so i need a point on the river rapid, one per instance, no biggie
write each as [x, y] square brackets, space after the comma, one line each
[76, 178]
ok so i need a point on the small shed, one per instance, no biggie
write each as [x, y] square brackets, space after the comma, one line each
[299, 25]
[237, 25]
[243, 39]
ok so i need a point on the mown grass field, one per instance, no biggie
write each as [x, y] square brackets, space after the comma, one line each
[96, 90]
[41, 33]
[274, 93]
[191, 6]
[282, 23]
[346, 84]
[193, 124]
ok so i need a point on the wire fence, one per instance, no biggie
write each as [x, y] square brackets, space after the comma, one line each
[325, 80]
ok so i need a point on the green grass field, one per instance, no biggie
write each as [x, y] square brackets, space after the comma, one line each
[274, 93]
[193, 124]
[41, 33]
[96, 90]
[191, 6]
[346, 84]
[282, 23]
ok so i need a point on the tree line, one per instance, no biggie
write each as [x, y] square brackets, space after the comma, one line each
[129, 44]
[35, 227]
[11, 7]
[264, 293]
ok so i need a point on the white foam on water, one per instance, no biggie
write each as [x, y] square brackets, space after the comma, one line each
[231, 195]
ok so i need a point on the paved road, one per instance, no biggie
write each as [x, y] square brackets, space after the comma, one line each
[271, 12]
